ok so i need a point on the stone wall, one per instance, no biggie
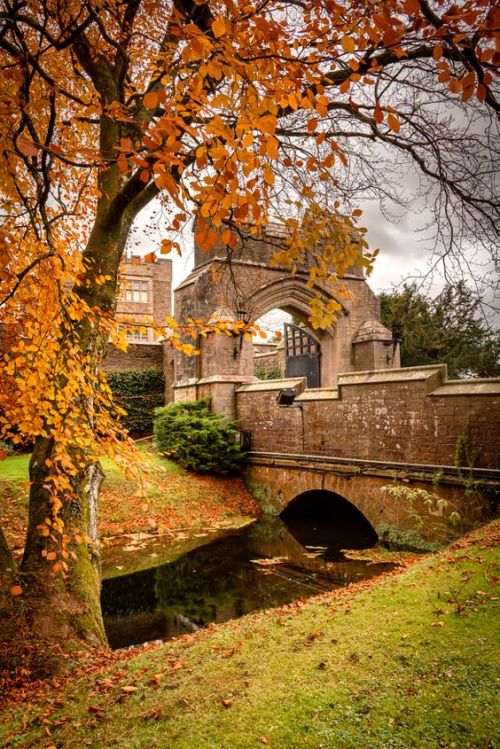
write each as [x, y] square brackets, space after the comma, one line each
[137, 356]
[410, 416]
[276, 483]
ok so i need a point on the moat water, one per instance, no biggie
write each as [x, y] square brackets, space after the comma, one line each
[268, 563]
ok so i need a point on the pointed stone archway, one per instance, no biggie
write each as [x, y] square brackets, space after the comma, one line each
[248, 283]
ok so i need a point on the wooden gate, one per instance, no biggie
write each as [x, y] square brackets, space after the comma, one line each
[302, 353]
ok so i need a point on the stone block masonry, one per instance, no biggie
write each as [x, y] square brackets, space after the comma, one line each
[406, 416]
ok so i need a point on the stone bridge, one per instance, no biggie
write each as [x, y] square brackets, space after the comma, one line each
[374, 425]
[402, 426]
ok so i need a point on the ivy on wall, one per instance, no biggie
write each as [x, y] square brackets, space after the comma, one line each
[139, 392]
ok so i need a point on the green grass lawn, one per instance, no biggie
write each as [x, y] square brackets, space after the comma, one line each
[409, 662]
[14, 468]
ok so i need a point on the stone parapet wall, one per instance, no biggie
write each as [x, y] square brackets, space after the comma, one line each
[412, 415]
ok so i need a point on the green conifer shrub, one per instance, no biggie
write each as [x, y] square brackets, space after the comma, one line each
[198, 439]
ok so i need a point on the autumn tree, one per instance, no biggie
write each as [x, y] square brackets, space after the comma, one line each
[450, 328]
[237, 111]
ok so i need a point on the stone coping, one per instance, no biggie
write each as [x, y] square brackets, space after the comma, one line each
[405, 374]
[323, 462]
[490, 386]
[185, 383]
[215, 379]
[265, 385]
[319, 394]
[257, 264]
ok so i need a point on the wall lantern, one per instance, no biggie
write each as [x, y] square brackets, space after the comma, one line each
[244, 316]
[286, 397]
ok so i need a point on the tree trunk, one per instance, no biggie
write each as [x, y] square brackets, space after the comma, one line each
[58, 614]
[59, 610]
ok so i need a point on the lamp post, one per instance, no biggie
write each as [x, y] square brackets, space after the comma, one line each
[397, 335]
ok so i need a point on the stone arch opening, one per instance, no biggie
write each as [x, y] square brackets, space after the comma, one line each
[292, 297]
[247, 287]
[334, 520]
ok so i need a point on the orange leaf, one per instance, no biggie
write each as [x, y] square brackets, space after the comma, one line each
[411, 6]
[219, 27]
[378, 115]
[268, 175]
[27, 147]
[16, 590]
[312, 124]
[151, 100]
[393, 123]
[348, 44]
[481, 92]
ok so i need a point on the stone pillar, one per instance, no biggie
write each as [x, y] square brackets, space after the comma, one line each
[373, 348]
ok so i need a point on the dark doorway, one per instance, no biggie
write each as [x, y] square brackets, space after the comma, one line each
[334, 521]
[302, 355]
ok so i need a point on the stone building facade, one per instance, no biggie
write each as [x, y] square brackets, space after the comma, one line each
[145, 298]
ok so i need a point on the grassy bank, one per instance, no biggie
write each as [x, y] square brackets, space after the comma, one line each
[406, 661]
[165, 502]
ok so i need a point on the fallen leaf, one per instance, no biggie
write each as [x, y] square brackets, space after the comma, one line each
[227, 703]
[129, 688]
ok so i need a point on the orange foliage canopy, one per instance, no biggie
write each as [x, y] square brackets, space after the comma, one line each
[237, 111]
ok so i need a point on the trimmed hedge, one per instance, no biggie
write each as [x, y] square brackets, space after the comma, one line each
[198, 439]
[139, 392]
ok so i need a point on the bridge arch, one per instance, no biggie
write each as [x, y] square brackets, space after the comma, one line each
[335, 518]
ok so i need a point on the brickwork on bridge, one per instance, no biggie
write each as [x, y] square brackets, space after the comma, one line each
[412, 415]
[276, 483]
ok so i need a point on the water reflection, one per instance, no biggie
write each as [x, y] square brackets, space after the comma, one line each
[225, 579]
